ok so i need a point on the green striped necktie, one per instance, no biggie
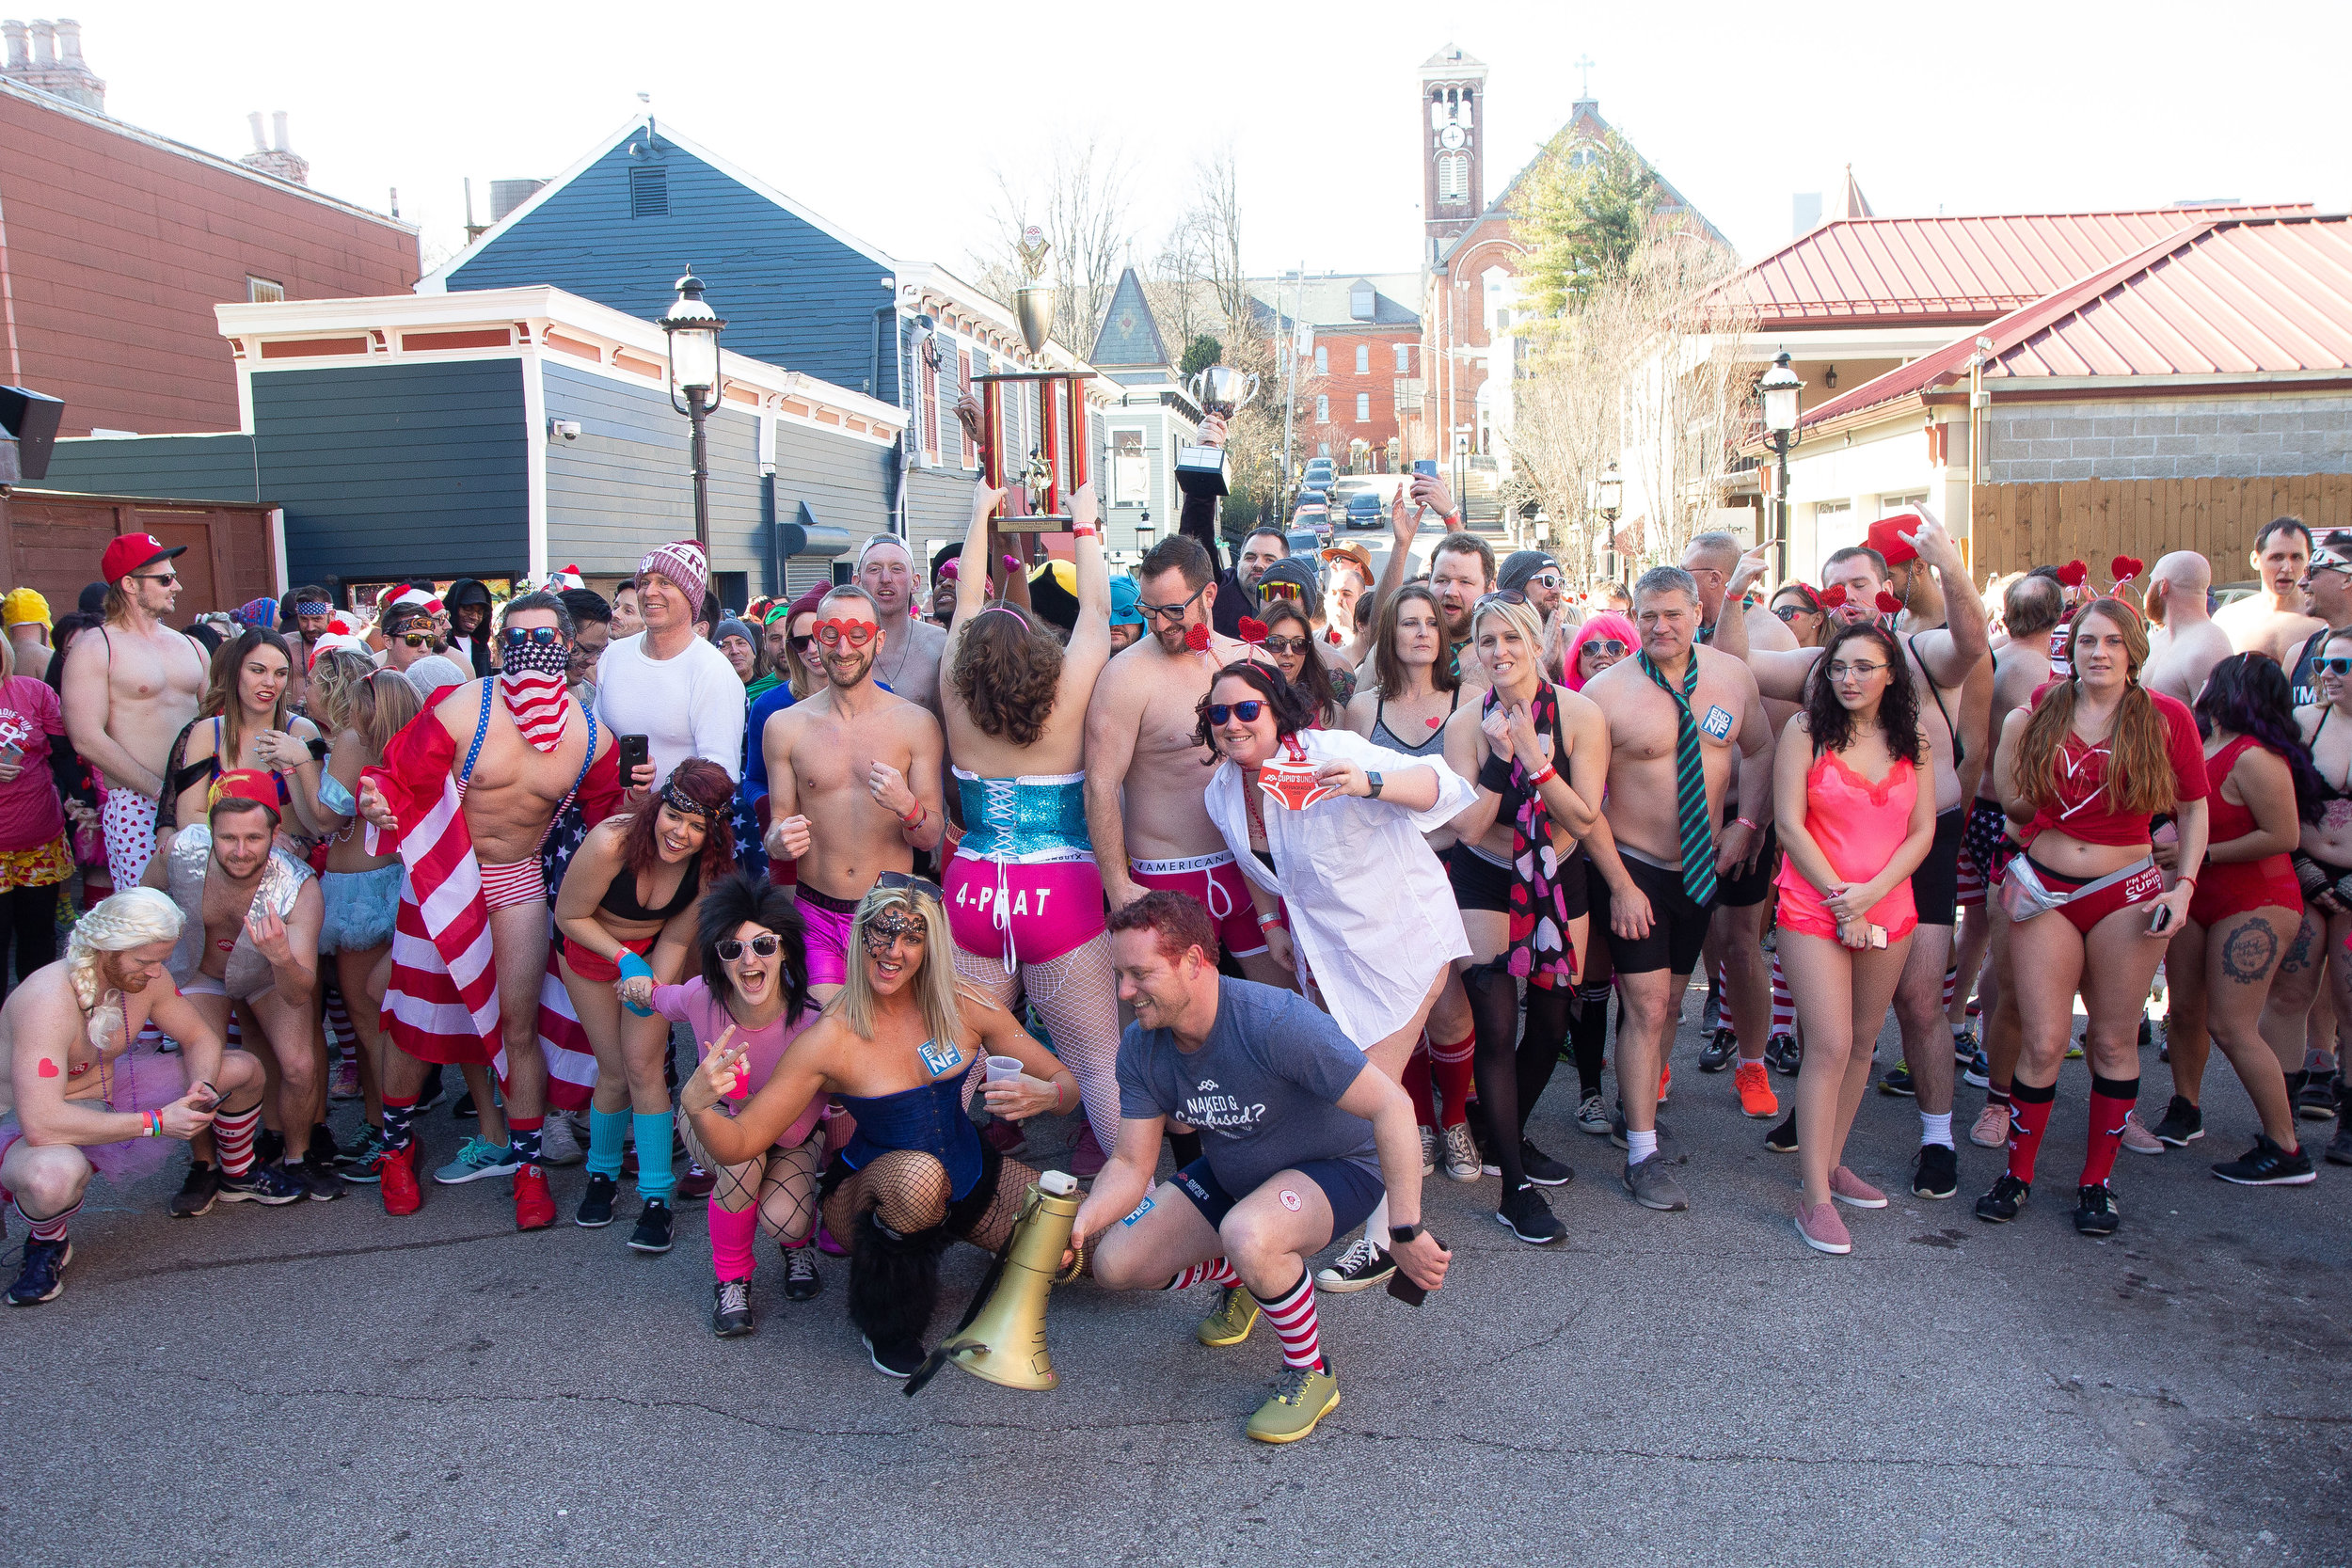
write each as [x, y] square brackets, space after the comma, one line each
[1698, 827]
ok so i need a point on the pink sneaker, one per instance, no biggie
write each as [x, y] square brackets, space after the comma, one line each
[1851, 1190]
[1991, 1128]
[1822, 1231]
[2137, 1138]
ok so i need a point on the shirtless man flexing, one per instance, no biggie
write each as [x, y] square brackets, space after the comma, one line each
[1145, 772]
[1675, 712]
[2183, 641]
[907, 662]
[509, 750]
[1942, 660]
[2273, 619]
[77, 1099]
[128, 690]
[853, 780]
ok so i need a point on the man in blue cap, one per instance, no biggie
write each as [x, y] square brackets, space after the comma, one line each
[1126, 619]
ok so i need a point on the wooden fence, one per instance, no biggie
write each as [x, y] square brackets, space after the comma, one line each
[2014, 527]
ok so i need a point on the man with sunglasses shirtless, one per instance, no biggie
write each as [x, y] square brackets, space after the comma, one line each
[854, 781]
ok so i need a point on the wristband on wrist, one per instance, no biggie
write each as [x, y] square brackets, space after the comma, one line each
[1539, 780]
[154, 1122]
[914, 818]
[1267, 921]
[1752, 827]
[2187, 881]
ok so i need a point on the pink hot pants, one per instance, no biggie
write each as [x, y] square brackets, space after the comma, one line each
[1023, 914]
[1218, 883]
[826, 922]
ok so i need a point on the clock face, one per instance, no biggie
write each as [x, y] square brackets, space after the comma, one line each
[1450, 136]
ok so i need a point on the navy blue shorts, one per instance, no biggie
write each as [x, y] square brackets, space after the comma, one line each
[1352, 1190]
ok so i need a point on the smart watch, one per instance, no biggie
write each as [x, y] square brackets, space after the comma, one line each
[1373, 780]
[1402, 1235]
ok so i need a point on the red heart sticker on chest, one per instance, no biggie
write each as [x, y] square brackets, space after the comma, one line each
[48, 1068]
[1435, 723]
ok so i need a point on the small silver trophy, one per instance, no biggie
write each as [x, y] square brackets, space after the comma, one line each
[1219, 389]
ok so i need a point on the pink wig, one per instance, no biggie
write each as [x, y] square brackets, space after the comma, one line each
[1607, 624]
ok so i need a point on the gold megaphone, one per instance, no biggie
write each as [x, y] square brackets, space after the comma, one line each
[1003, 1337]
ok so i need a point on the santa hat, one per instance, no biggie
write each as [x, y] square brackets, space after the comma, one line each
[434, 607]
[563, 577]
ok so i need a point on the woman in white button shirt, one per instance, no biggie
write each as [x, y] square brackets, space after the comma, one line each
[1337, 849]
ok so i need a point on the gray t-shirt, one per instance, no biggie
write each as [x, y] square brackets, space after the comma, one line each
[1263, 1089]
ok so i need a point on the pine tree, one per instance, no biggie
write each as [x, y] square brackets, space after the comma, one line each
[1583, 224]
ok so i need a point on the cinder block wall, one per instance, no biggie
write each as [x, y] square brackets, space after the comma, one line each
[2234, 437]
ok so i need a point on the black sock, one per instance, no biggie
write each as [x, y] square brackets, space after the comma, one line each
[1589, 1035]
[1539, 1047]
[1495, 1011]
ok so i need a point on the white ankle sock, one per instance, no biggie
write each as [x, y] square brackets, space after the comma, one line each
[1936, 1130]
[1640, 1145]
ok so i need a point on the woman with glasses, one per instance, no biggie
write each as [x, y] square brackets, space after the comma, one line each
[1290, 636]
[753, 993]
[624, 914]
[1800, 610]
[1328, 828]
[1540, 755]
[1854, 824]
[2248, 906]
[2085, 767]
[1023, 894]
[896, 1047]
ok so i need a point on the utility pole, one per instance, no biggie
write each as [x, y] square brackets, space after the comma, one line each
[1290, 392]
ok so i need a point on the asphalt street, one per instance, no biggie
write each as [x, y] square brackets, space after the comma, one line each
[324, 1385]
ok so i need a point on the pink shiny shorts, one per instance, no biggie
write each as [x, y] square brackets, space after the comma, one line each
[826, 921]
[1023, 914]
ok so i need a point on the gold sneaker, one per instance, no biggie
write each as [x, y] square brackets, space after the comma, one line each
[1234, 1317]
[1303, 1397]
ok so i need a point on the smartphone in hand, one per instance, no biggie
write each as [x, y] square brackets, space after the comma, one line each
[635, 751]
[1405, 1290]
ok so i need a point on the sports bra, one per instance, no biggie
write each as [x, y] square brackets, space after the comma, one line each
[620, 898]
[1383, 735]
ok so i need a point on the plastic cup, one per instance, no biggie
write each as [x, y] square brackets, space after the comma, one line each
[1003, 1069]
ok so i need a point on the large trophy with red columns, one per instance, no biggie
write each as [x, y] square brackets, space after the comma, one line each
[1033, 422]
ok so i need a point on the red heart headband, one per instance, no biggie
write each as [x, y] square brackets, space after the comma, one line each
[1830, 597]
[1253, 631]
[2125, 568]
[1888, 604]
[2072, 573]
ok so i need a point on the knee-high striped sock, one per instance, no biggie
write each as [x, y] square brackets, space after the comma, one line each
[50, 1230]
[1293, 1315]
[338, 1026]
[1214, 1272]
[1784, 1004]
[1450, 1068]
[232, 1139]
[1951, 983]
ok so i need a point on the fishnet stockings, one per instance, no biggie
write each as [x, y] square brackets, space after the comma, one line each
[1077, 1000]
[783, 1182]
[908, 1192]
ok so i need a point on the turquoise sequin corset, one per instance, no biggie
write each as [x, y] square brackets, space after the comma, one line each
[1026, 821]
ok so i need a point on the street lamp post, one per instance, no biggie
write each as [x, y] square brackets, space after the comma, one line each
[693, 329]
[1612, 502]
[1782, 390]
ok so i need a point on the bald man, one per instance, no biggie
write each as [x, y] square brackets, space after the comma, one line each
[2183, 644]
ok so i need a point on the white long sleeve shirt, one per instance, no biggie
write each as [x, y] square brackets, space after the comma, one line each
[1370, 907]
[692, 706]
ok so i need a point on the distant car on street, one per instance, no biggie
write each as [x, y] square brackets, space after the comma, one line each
[1364, 509]
[1305, 540]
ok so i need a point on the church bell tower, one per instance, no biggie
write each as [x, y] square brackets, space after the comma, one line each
[1454, 158]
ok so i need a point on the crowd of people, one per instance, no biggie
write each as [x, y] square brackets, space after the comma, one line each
[1311, 870]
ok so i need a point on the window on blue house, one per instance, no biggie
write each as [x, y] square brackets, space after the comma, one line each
[648, 192]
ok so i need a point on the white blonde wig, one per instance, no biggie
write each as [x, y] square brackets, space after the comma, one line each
[126, 920]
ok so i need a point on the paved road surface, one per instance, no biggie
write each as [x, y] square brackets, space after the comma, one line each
[323, 1385]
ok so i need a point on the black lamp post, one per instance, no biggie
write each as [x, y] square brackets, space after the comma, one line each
[1610, 500]
[1782, 390]
[693, 327]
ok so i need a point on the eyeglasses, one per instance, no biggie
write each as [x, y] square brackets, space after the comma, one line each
[1860, 672]
[763, 947]
[900, 881]
[1288, 644]
[1500, 596]
[1610, 645]
[416, 639]
[1789, 612]
[544, 637]
[1544, 580]
[1246, 712]
[801, 644]
[1171, 611]
[856, 633]
[2335, 666]
[155, 577]
[1288, 590]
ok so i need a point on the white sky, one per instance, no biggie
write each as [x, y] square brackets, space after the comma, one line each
[892, 119]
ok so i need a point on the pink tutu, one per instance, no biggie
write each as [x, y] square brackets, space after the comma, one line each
[141, 1080]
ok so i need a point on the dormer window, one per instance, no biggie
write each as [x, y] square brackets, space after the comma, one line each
[1359, 301]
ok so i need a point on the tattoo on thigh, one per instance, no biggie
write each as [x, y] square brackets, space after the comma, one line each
[2246, 952]
[2298, 951]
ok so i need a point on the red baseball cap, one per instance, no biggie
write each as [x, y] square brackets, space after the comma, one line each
[256, 785]
[1886, 537]
[133, 552]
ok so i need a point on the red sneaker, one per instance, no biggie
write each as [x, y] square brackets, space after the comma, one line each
[397, 1176]
[1756, 1090]
[534, 1208]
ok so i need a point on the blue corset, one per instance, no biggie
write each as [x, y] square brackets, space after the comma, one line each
[927, 1119]
[1028, 820]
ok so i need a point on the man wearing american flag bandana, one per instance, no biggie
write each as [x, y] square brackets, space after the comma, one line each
[466, 793]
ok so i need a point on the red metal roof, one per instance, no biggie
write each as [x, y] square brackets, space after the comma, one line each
[2229, 295]
[1891, 272]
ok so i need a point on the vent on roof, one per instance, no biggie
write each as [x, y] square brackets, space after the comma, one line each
[648, 192]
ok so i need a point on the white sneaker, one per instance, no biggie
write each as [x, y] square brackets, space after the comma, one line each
[1429, 1151]
[1461, 1154]
[559, 1140]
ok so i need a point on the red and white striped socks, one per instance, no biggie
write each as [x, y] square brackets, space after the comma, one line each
[1214, 1272]
[1783, 1004]
[50, 1230]
[233, 1140]
[1293, 1315]
[1450, 1066]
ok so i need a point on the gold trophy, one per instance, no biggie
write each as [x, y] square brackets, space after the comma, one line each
[1003, 1337]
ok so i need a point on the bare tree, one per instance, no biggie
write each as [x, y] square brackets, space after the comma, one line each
[1080, 200]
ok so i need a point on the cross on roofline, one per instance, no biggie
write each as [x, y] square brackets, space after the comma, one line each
[1585, 64]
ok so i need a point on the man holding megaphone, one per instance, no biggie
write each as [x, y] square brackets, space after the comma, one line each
[1301, 1139]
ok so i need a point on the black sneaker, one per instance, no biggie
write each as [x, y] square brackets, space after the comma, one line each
[261, 1183]
[900, 1358]
[196, 1195]
[320, 1179]
[269, 1148]
[1897, 1080]
[1979, 1069]
[43, 1274]
[596, 1204]
[1783, 1139]
[1541, 1168]
[465, 1109]
[802, 1282]
[1784, 1056]
[2317, 1101]
[1364, 1264]
[1964, 1045]
[2267, 1164]
[2095, 1214]
[1722, 1046]
[654, 1225]
[2147, 1032]
[431, 1093]
[2000, 1205]
[731, 1308]
[1526, 1215]
[2182, 1123]
[1937, 1173]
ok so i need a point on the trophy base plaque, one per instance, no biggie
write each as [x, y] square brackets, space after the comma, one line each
[1200, 470]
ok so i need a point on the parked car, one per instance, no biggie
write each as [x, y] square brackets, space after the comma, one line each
[1306, 540]
[1364, 509]
[1321, 469]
